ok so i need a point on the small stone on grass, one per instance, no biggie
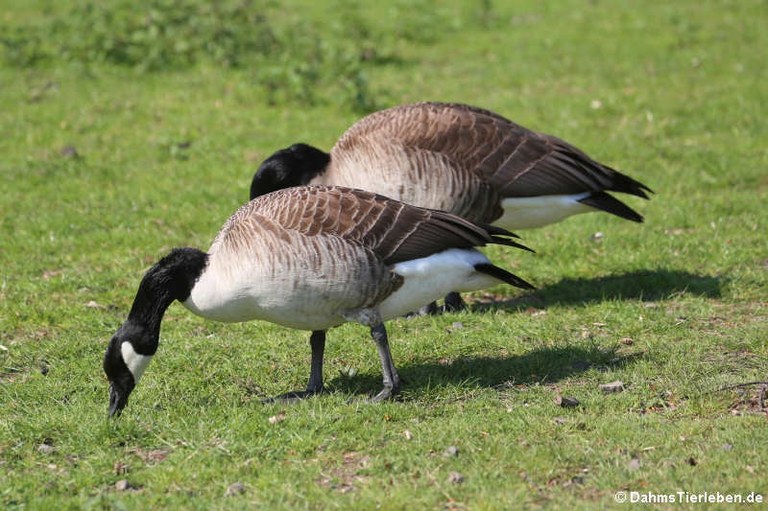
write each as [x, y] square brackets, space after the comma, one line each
[235, 489]
[45, 448]
[566, 401]
[614, 386]
[451, 452]
[124, 485]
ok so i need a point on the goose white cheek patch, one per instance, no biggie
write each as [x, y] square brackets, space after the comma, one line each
[136, 362]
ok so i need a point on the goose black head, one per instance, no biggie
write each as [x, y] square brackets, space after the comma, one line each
[133, 345]
[124, 365]
[293, 166]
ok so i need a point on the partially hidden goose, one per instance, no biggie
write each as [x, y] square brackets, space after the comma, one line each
[310, 258]
[458, 158]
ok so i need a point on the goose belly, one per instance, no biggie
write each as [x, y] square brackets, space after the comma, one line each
[429, 278]
[530, 212]
[301, 312]
[306, 288]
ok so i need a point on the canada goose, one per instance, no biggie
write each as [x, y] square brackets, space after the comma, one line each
[457, 158]
[310, 258]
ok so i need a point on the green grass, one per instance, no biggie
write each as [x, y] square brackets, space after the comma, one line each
[672, 93]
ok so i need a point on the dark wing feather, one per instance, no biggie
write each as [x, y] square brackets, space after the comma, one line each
[393, 230]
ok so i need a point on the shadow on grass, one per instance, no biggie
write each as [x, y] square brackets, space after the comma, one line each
[540, 366]
[646, 285]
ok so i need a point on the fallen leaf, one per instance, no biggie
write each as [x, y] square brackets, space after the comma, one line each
[157, 455]
[120, 468]
[49, 274]
[153, 456]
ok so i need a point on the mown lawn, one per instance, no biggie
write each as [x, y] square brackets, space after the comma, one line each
[109, 159]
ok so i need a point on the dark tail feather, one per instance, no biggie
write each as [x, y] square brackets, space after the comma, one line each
[504, 241]
[503, 275]
[610, 204]
[493, 229]
[500, 235]
[625, 184]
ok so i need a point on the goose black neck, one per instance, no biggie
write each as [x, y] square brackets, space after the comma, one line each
[171, 278]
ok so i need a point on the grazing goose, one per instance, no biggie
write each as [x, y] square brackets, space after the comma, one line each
[310, 258]
[457, 158]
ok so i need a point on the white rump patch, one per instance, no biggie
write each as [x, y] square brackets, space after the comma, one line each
[430, 278]
[530, 212]
[136, 363]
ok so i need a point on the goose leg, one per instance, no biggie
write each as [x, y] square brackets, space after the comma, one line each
[315, 383]
[454, 303]
[317, 343]
[391, 379]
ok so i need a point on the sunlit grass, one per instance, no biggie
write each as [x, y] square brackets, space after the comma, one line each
[105, 168]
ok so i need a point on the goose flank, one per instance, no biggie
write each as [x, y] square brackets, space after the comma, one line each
[310, 258]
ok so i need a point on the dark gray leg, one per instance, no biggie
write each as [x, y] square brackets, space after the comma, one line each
[428, 310]
[391, 379]
[315, 383]
[454, 303]
[317, 343]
